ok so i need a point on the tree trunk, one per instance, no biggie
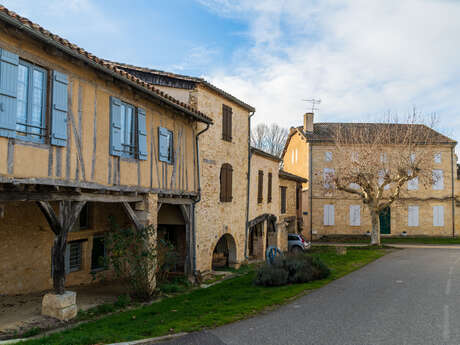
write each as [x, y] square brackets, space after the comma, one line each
[375, 234]
[58, 257]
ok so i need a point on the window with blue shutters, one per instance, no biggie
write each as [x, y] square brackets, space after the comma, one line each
[165, 145]
[59, 109]
[31, 102]
[141, 134]
[123, 129]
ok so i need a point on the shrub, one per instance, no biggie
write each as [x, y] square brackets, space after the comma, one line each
[270, 275]
[291, 270]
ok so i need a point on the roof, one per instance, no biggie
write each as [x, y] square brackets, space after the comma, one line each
[325, 131]
[185, 78]
[38, 32]
[288, 176]
[256, 151]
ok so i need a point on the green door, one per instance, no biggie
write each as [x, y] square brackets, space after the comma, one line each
[385, 221]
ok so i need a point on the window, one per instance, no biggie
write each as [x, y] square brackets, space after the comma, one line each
[382, 180]
[165, 145]
[354, 186]
[269, 187]
[128, 132]
[31, 101]
[438, 158]
[226, 173]
[412, 184]
[328, 156]
[98, 253]
[438, 215]
[413, 156]
[355, 157]
[438, 180]
[73, 256]
[412, 216]
[260, 187]
[226, 123]
[355, 215]
[283, 199]
[328, 214]
[383, 157]
[328, 174]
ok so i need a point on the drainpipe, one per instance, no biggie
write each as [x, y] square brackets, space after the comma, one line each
[197, 199]
[248, 186]
[453, 191]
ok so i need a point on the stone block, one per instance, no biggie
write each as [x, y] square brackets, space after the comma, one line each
[341, 250]
[62, 307]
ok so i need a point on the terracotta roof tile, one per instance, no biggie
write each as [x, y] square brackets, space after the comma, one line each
[45, 34]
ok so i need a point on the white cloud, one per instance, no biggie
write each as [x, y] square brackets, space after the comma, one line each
[361, 57]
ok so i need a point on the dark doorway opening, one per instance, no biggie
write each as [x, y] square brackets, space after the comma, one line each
[224, 254]
[172, 233]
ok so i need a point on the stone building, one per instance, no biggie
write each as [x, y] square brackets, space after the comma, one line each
[80, 141]
[222, 213]
[274, 204]
[420, 211]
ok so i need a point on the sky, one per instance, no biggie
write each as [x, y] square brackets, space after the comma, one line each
[362, 58]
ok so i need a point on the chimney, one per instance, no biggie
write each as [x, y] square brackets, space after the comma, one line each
[308, 122]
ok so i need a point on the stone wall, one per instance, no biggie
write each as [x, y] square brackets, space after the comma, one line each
[213, 217]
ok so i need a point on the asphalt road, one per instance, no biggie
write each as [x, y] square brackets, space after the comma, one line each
[409, 297]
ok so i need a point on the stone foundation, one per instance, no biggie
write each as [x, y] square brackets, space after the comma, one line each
[62, 307]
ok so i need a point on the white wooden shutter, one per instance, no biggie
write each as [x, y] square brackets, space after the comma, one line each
[327, 175]
[355, 215]
[328, 156]
[438, 178]
[412, 184]
[438, 215]
[438, 157]
[328, 214]
[412, 216]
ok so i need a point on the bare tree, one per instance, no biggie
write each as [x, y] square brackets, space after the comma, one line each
[270, 139]
[375, 160]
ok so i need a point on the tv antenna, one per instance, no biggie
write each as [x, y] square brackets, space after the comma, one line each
[313, 102]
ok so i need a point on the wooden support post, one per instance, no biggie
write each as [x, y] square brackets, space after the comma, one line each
[61, 225]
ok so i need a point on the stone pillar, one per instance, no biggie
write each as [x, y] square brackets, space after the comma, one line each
[147, 214]
[62, 307]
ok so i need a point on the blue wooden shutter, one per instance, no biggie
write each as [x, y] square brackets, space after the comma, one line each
[164, 144]
[115, 127]
[142, 134]
[60, 109]
[8, 91]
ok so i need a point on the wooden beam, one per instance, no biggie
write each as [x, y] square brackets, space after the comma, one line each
[50, 216]
[132, 215]
[6, 196]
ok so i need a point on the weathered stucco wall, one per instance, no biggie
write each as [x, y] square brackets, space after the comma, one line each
[25, 248]
[89, 118]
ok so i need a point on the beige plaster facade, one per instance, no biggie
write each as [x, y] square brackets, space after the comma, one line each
[309, 158]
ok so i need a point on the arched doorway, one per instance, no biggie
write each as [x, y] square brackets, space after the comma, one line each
[172, 231]
[224, 254]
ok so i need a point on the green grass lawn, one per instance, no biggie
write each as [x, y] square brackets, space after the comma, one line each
[225, 302]
[396, 240]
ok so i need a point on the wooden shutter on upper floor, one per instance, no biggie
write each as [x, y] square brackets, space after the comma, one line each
[8, 92]
[226, 181]
[260, 187]
[283, 199]
[59, 109]
[115, 127]
[141, 134]
[269, 187]
[226, 123]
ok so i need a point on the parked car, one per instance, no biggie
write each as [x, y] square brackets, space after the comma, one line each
[297, 243]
